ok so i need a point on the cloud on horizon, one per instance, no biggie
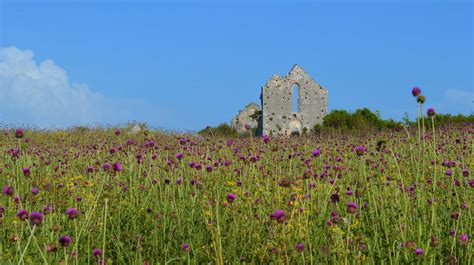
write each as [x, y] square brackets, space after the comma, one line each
[40, 94]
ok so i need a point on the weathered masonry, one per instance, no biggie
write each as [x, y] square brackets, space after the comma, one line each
[292, 104]
[246, 117]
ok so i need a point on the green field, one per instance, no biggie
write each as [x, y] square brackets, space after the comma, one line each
[383, 197]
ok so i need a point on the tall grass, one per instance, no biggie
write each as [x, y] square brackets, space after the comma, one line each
[407, 192]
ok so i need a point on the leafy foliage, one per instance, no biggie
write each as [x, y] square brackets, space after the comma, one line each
[361, 119]
[364, 119]
[222, 129]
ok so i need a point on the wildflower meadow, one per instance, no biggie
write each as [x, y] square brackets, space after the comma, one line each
[105, 196]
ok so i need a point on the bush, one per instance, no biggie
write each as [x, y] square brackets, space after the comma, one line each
[361, 119]
[448, 119]
[222, 130]
[338, 119]
[364, 119]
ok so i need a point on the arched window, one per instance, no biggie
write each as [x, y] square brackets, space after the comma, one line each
[295, 97]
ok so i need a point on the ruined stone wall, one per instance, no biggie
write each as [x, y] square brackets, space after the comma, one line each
[245, 118]
[277, 98]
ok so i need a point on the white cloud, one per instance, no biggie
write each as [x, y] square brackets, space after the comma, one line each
[40, 94]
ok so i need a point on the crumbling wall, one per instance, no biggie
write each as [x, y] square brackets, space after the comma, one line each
[246, 117]
[278, 117]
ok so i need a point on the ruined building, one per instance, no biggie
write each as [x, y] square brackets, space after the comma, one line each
[292, 104]
[246, 117]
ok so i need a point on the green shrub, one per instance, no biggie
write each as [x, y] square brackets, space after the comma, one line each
[448, 119]
[338, 119]
[361, 119]
[222, 129]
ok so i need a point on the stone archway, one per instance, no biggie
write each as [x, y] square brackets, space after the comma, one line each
[294, 128]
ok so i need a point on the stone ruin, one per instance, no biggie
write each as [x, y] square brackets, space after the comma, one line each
[279, 115]
[246, 117]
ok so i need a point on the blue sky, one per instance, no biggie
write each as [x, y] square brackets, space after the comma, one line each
[189, 64]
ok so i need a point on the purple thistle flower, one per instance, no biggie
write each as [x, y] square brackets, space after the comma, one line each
[230, 142]
[185, 247]
[430, 112]
[179, 156]
[36, 218]
[117, 167]
[452, 232]
[278, 215]
[471, 183]
[179, 181]
[448, 172]
[360, 150]
[416, 91]
[34, 190]
[150, 143]
[19, 133]
[7, 190]
[351, 207]
[300, 247]
[231, 197]
[72, 213]
[266, 138]
[65, 241]
[419, 251]
[208, 168]
[97, 252]
[463, 238]
[335, 197]
[465, 172]
[26, 171]
[316, 152]
[106, 167]
[22, 215]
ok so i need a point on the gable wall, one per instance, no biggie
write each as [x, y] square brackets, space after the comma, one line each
[277, 103]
